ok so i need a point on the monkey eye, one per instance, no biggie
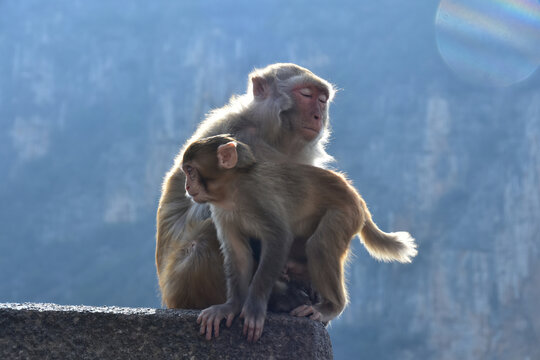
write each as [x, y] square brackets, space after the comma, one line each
[323, 98]
[188, 169]
[306, 92]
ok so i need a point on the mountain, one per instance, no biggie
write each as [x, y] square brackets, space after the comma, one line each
[97, 97]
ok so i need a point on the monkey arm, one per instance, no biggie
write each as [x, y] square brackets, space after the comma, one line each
[276, 241]
[239, 265]
[238, 269]
[171, 214]
[275, 248]
[188, 259]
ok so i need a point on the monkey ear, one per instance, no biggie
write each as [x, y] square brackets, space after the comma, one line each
[261, 88]
[227, 155]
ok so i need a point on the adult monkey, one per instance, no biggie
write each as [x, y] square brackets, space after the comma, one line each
[283, 117]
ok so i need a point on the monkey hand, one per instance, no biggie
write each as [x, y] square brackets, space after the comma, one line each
[307, 310]
[210, 318]
[254, 314]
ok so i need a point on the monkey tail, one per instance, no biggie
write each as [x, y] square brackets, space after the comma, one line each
[395, 246]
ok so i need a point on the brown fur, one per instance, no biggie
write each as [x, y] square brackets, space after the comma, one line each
[267, 119]
[298, 202]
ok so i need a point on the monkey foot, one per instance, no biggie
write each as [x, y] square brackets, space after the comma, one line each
[307, 310]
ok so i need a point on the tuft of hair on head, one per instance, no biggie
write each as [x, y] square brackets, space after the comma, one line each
[210, 145]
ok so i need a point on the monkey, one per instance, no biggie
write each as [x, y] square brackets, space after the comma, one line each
[283, 117]
[280, 204]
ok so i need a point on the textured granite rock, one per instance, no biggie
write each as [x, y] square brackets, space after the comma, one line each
[50, 331]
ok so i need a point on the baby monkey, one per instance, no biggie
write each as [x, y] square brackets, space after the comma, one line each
[312, 211]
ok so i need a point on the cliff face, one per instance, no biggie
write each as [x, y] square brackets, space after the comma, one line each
[96, 99]
[472, 206]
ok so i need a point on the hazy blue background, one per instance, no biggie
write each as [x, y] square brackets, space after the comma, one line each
[437, 122]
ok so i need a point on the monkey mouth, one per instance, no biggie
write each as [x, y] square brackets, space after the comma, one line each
[309, 133]
[198, 199]
[193, 196]
[311, 129]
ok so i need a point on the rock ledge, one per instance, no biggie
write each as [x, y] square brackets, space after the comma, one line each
[50, 331]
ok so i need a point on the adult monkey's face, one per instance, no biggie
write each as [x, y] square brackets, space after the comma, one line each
[311, 102]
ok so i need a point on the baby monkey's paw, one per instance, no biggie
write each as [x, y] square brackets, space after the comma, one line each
[211, 317]
[254, 315]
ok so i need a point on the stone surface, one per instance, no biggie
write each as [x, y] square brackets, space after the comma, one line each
[50, 331]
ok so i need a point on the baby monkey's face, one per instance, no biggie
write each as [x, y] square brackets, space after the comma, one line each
[194, 184]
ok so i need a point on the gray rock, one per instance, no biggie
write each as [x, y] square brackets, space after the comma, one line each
[50, 331]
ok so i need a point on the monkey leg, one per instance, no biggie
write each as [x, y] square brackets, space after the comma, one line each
[326, 251]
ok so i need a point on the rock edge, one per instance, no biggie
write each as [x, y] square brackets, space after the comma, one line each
[50, 331]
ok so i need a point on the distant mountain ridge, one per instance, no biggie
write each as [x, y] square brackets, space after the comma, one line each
[96, 98]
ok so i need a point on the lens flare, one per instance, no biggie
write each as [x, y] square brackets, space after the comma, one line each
[490, 42]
